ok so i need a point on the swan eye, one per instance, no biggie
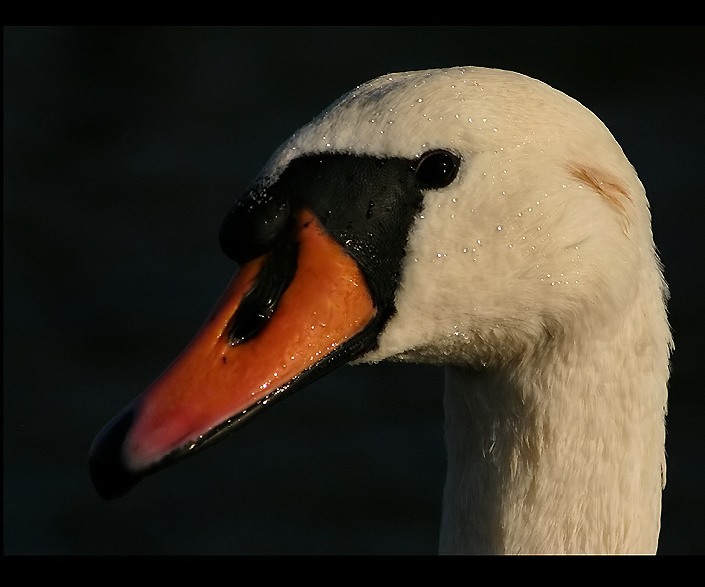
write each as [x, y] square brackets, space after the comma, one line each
[437, 169]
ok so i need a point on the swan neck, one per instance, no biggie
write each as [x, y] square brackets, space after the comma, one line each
[558, 453]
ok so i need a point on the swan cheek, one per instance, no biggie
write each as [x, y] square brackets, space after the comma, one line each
[319, 321]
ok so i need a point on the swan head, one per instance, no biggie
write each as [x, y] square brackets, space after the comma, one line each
[456, 216]
[544, 221]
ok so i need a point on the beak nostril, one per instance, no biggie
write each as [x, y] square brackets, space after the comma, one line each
[258, 305]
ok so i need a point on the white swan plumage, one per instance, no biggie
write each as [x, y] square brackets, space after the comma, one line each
[534, 280]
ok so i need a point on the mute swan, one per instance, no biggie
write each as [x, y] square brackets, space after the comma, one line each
[471, 218]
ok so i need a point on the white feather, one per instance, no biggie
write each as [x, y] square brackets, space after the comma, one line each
[533, 278]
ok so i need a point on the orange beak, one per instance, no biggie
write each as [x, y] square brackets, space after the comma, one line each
[219, 379]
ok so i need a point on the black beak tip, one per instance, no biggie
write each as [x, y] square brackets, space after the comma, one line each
[111, 477]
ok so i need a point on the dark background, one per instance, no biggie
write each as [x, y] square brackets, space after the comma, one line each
[124, 148]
